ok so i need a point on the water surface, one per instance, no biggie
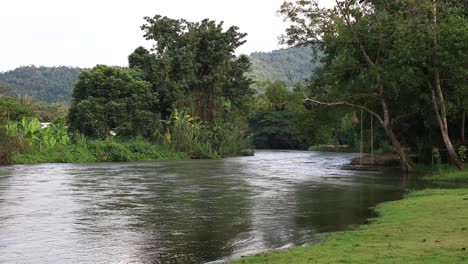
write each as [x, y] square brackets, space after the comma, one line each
[191, 211]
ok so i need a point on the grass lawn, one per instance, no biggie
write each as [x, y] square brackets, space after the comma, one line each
[429, 226]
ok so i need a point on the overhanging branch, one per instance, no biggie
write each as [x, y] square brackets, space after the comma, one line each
[345, 103]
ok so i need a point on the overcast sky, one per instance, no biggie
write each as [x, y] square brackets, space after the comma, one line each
[84, 33]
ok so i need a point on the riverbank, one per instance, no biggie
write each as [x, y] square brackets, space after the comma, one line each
[429, 226]
[101, 151]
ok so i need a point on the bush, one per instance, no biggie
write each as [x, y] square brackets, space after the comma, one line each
[9, 146]
[109, 151]
[101, 151]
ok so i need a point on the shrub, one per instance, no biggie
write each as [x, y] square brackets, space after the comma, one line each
[9, 146]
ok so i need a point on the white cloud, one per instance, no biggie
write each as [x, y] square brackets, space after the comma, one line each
[88, 32]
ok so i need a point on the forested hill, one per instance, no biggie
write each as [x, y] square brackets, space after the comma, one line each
[288, 65]
[55, 84]
[48, 84]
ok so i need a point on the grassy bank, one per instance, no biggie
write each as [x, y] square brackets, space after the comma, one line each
[101, 151]
[429, 226]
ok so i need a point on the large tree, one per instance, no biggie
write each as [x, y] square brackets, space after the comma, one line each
[355, 45]
[112, 99]
[192, 65]
[380, 57]
[433, 42]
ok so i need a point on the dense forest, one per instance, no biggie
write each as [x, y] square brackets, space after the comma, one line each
[385, 91]
[55, 84]
[401, 63]
[47, 84]
[292, 65]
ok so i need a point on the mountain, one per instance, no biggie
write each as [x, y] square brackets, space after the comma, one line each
[47, 84]
[55, 84]
[288, 65]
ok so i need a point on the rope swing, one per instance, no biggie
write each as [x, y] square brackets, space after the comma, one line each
[361, 150]
[372, 138]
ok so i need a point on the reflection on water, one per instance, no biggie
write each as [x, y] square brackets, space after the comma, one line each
[182, 211]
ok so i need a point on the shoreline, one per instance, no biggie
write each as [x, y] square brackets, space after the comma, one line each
[427, 226]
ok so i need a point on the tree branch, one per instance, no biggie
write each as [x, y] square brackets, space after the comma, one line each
[356, 39]
[345, 103]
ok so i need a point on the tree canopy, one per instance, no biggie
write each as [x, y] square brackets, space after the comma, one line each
[380, 56]
[192, 65]
[47, 84]
[112, 99]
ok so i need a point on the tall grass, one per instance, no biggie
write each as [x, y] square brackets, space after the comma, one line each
[204, 140]
[101, 151]
[10, 145]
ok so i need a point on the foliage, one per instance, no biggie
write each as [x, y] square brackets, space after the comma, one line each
[11, 109]
[47, 84]
[275, 129]
[48, 112]
[10, 145]
[377, 56]
[188, 134]
[109, 99]
[290, 66]
[282, 120]
[463, 152]
[101, 151]
[30, 131]
[193, 66]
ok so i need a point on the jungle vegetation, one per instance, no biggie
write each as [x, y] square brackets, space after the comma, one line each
[54, 85]
[403, 63]
[46, 84]
[383, 76]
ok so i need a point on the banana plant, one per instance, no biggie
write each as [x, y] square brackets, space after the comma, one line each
[55, 135]
[30, 130]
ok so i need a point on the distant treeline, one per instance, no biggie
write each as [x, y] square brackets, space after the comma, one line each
[47, 84]
[290, 66]
[55, 84]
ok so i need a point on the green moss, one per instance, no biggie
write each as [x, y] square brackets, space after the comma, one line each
[101, 151]
[429, 226]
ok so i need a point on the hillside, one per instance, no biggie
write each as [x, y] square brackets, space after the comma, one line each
[48, 84]
[55, 84]
[288, 65]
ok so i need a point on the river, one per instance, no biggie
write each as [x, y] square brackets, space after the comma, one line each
[192, 211]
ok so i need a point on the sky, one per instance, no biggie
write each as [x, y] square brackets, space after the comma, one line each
[83, 33]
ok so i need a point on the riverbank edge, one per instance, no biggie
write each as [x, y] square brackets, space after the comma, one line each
[108, 151]
[428, 226]
[101, 151]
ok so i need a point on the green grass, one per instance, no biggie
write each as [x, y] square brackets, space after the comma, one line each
[441, 173]
[101, 151]
[429, 226]
[455, 176]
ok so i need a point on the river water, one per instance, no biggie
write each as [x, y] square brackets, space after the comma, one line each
[191, 211]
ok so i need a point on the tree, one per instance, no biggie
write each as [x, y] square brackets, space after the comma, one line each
[433, 40]
[355, 41]
[192, 65]
[11, 109]
[112, 99]
[47, 84]
[392, 59]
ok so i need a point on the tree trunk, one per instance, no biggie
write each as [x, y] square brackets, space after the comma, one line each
[441, 114]
[438, 98]
[406, 167]
[451, 150]
[373, 65]
[463, 139]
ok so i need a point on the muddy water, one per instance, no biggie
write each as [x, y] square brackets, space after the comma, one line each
[191, 211]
